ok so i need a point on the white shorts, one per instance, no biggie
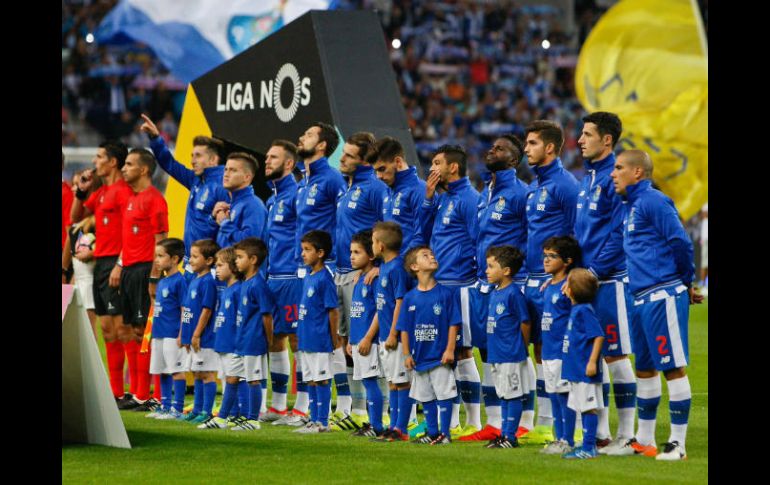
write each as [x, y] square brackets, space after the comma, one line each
[512, 379]
[585, 396]
[316, 366]
[254, 367]
[366, 365]
[166, 357]
[436, 383]
[207, 360]
[392, 363]
[231, 365]
[552, 376]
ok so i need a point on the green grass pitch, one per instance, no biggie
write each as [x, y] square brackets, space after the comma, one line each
[171, 452]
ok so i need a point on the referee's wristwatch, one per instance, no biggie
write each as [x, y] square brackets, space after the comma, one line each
[119, 262]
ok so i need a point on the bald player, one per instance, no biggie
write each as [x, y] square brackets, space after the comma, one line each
[659, 255]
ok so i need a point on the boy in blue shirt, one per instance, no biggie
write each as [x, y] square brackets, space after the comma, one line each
[317, 329]
[508, 330]
[197, 308]
[225, 332]
[559, 256]
[166, 356]
[362, 346]
[429, 325]
[393, 284]
[254, 322]
[581, 360]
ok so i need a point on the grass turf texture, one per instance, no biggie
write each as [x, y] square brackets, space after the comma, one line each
[171, 451]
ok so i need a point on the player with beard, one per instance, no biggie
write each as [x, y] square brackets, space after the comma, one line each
[282, 280]
[502, 221]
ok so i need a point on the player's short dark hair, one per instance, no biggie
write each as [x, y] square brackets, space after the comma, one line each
[549, 132]
[320, 240]
[606, 124]
[388, 148]
[253, 246]
[214, 146]
[583, 285]
[454, 154]
[411, 257]
[146, 158]
[364, 238]
[365, 142]
[227, 255]
[328, 134]
[115, 149]
[518, 146]
[173, 246]
[390, 234]
[508, 256]
[566, 247]
[289, 147]
[248, 161]
[207, 247]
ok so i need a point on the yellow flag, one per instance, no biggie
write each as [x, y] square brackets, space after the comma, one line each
[646, 61]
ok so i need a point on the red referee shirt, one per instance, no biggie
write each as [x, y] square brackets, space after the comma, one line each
[145, 216]
[107, 204]
[66, 205]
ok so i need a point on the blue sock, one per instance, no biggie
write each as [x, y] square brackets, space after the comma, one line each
[280, 382]
[558, 424]
[540, 390]
[515, 409]
[228, 399]
[301, 386]
[625, 395]
[404, 409]
[444, 415]
[341, 384]
[590, 423]
[209, 395]
[430, 411]
[166, 388]
[243, 398]
[489, 395]
[180, 386]
[393, 398]
[504, 426]
[324, 394]
[647, 408]
[313, 402]
[469, 391]
[374, 402]
[680, 411]
[255, 399]
[569, 416]
[528, 401]
[198, 396]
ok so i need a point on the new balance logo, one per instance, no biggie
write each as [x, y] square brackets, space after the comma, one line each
[401, 374]
[590, 399]
[412, 308]
[374, 367]
[323, 372]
